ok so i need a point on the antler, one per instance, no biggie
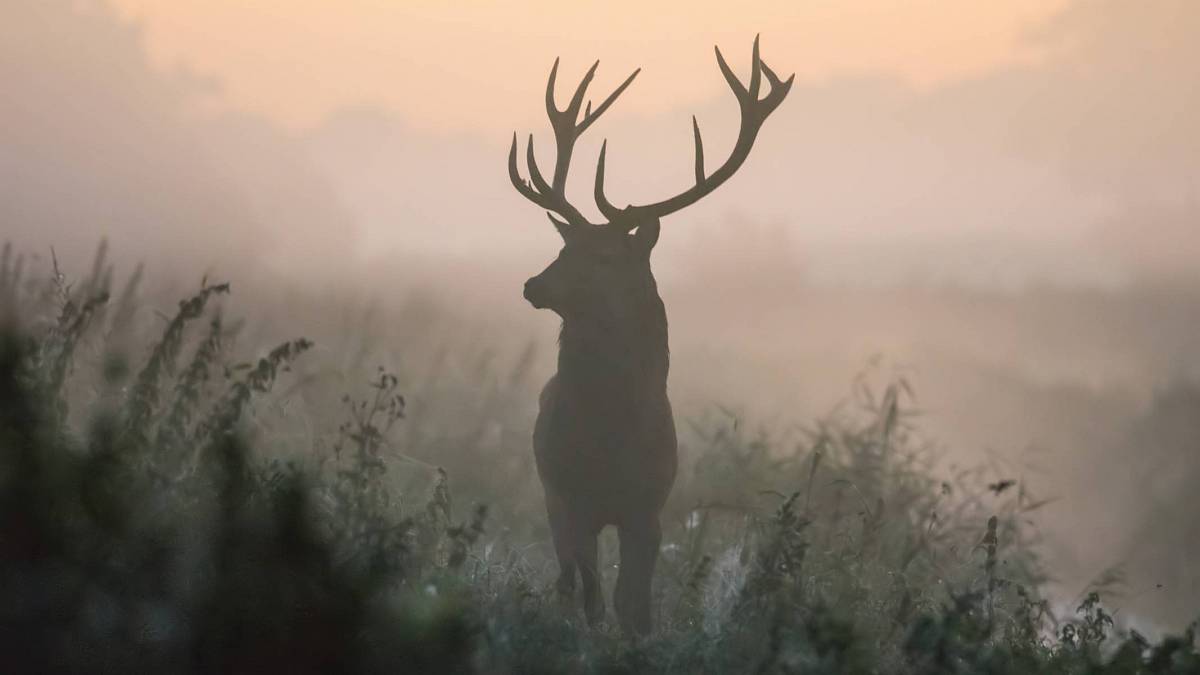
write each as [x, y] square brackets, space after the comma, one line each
[567, 128]
[754, 112]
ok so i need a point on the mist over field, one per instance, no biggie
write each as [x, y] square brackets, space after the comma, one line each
[1019, 242]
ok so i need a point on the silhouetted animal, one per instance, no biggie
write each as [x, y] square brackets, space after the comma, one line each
[605, 439]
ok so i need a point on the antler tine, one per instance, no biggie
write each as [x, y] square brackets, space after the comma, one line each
[539, 183]
[755, 72]
[577, 99]
[552, 196]
[611, 212]
[779, 89]
[519, 183]
[754, 111]
[565, 131]
[539, 192]
[590, 117]
[567, 127]
[552, 110]
[734, 83]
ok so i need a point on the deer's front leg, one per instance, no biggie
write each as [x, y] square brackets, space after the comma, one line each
[640, 540]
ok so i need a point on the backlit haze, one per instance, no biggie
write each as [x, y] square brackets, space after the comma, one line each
[999, 198]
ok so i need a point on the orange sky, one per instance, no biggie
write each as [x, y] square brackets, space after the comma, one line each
[474, 65]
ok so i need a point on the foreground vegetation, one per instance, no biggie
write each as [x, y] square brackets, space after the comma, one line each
[169, 506]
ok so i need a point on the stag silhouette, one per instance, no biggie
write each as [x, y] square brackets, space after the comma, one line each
[604, 440]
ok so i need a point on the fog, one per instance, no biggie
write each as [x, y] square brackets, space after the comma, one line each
[1020, 242]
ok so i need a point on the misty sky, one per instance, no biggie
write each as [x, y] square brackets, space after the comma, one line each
[434, 63]
[986, 144]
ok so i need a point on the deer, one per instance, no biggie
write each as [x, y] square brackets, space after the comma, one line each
[604, 440]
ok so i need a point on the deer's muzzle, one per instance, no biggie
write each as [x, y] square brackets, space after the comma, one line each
[535, 293]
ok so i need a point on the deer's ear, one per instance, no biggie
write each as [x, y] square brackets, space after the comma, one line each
[646, 234]
[563, 227]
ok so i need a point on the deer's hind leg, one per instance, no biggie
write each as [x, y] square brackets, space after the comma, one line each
[587, 556]
[560, 534]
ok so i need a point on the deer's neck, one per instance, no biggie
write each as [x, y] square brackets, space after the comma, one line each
[617, 352]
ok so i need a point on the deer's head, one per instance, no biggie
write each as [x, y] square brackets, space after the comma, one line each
[604, 266]
[597, 267]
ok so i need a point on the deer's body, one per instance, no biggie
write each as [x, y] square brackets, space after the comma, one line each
[606, 469]
[606, 451]
[605, 438]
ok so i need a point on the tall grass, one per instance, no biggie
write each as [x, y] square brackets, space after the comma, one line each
[173, 501]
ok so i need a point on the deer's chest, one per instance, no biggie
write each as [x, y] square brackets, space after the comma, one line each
[583, 443]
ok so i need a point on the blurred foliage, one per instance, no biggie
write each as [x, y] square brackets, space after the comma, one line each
[165, 508]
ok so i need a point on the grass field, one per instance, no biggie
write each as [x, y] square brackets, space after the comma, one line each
[176, 502]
